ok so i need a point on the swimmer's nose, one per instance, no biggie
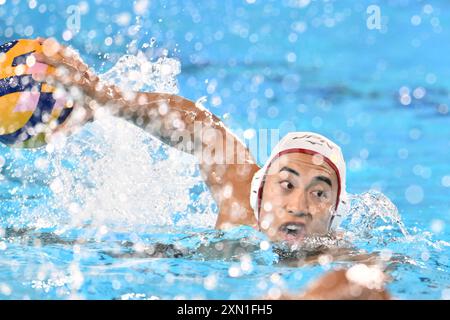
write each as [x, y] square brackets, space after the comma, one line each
[298, 207]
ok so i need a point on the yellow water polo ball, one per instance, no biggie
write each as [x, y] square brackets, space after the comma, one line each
[29, 109]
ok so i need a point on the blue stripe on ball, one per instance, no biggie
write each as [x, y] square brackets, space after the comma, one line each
[23, 83]
[64, 115]
[22, 59]
[6, 46]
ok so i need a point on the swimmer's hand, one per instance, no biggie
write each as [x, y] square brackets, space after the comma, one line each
[76, 81]
[72, 71]
[351, 284]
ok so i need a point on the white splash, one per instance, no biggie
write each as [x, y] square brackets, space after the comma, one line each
[137, 73]
[370, 208]
[116, 175]
[134, 179]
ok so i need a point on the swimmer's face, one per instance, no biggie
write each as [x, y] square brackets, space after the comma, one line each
[299, 195]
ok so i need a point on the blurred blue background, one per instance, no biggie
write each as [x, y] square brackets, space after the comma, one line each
[382, 94]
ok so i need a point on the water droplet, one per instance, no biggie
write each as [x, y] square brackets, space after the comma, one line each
[414, 194]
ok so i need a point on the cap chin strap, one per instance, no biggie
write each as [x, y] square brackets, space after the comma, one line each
[334, 222]
[338, 215]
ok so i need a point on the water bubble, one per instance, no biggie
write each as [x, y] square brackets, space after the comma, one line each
[262, 285]
[419, 93]
[275, 278]
[39, 163]
[28, 32]
[274, 293]
[364, 154]
[234, 271]
[216, 101]
[108, 41]
[416, 20]
[428, 9]
[272, 112]
[42, 8]
[246, 263]
[437, 225]
[299, 3]
[445, 294]
[140, 7]
[291, 57]
[355, 164]
[430, 78]
[227, 191]
[264, 245]
[325, 259]
[5, 289]
[403, 153]
[269, 93]
[317, 159]
[32, 4]
[443, 108]
[369, 276]
[405, 100]
[425, 255]
[67, 35]
[57, 186]
[445, 181]
[210, 282]
[403, 91]
[123, 19]
[435, 22]
[415, 134]
[253, 38]
[102, 230]
[422, 171]
[293, 37]
[414, 194]
[249, 134]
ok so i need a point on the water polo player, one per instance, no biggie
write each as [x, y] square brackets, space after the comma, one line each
[299, 192]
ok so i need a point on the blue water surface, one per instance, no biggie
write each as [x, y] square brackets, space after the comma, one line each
[382, 94]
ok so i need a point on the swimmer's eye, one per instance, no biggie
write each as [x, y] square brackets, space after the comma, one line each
[286, 185]
[320, 194]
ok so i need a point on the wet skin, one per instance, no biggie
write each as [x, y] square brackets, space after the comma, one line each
[299, 196]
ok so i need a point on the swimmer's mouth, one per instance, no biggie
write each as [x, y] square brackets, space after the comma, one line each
[293, 231]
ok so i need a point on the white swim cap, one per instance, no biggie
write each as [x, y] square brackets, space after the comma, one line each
[309, 143]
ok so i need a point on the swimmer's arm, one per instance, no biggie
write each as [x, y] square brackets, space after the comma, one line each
[340, 285]
[173, 120]
[225, 162]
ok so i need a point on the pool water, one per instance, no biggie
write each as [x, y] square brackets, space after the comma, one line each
[111, 213]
